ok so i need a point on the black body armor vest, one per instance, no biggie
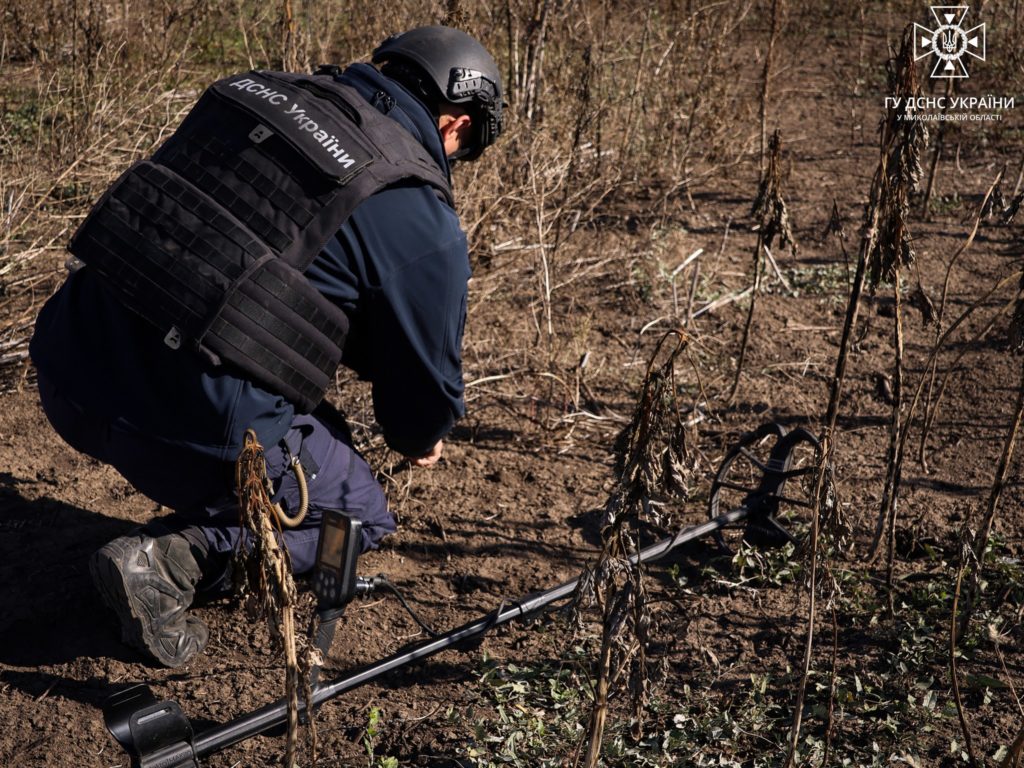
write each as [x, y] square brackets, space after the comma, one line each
[208, 240]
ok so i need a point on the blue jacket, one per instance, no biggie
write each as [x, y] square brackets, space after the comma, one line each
[398, 268]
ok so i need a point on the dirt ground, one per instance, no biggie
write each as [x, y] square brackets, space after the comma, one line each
[515, 504]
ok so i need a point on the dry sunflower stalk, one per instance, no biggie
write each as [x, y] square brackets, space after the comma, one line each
[772, 222]
[266, 584]
[835, 224]
[654, 467]
[889, 251]
[834, 525]
[892, 249]
[830, 534]
[769, 207]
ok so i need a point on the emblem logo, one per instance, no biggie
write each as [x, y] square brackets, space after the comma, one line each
[949, 42]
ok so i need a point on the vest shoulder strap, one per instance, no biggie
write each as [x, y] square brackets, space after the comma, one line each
[340, 135]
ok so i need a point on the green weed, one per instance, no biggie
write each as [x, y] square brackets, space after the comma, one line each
[373, 729]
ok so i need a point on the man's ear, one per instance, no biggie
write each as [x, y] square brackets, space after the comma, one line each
[456, 132]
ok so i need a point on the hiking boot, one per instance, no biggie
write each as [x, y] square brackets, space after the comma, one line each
[148, 579]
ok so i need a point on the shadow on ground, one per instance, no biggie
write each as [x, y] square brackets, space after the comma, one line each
[49, 612]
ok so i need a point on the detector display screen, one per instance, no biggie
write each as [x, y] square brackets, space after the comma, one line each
[334, 577]
[332, 549]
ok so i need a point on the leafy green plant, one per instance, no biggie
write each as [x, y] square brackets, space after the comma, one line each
[539, 708]
[764, 567]
[373, 729]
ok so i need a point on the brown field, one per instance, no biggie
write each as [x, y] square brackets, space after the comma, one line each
[635, 138]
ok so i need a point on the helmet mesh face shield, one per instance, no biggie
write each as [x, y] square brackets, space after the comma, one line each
[450, 66]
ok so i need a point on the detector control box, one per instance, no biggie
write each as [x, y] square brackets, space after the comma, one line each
[334, 575]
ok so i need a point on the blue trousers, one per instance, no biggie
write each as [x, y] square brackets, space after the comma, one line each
[200, 489]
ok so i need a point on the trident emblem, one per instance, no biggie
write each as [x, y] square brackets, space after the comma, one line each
[949, 42]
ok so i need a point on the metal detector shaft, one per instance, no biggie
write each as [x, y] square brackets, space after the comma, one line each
[219, 737]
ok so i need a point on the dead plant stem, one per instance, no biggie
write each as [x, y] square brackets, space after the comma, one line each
[833, 680]
[798, 708]
[955, 364]
[867, 244]
[599, 713]
[692, 294]
[939, 144]
[754, 291]
[852, 312]
[998, 484]
[1004, 465]
[957, 699]
[940, 315]
[634, 96]
[533, 65]
[1009, 677]
[890, 495]
[943, 338]
[1012, 759]
[766, 80]
[966, 244]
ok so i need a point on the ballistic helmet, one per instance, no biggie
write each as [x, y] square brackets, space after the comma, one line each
[443, 64]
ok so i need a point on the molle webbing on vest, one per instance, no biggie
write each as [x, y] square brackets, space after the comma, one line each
[209, 239]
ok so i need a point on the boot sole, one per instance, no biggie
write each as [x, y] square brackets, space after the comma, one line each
[105, 568]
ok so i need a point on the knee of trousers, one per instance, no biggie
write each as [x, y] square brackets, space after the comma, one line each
[302, 542]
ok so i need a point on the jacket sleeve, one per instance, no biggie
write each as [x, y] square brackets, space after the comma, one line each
[402, 280]
[418, 317]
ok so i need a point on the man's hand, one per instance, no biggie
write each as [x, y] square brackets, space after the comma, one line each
[429, 459]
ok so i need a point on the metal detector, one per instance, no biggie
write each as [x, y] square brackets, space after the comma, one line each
[753, 476]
